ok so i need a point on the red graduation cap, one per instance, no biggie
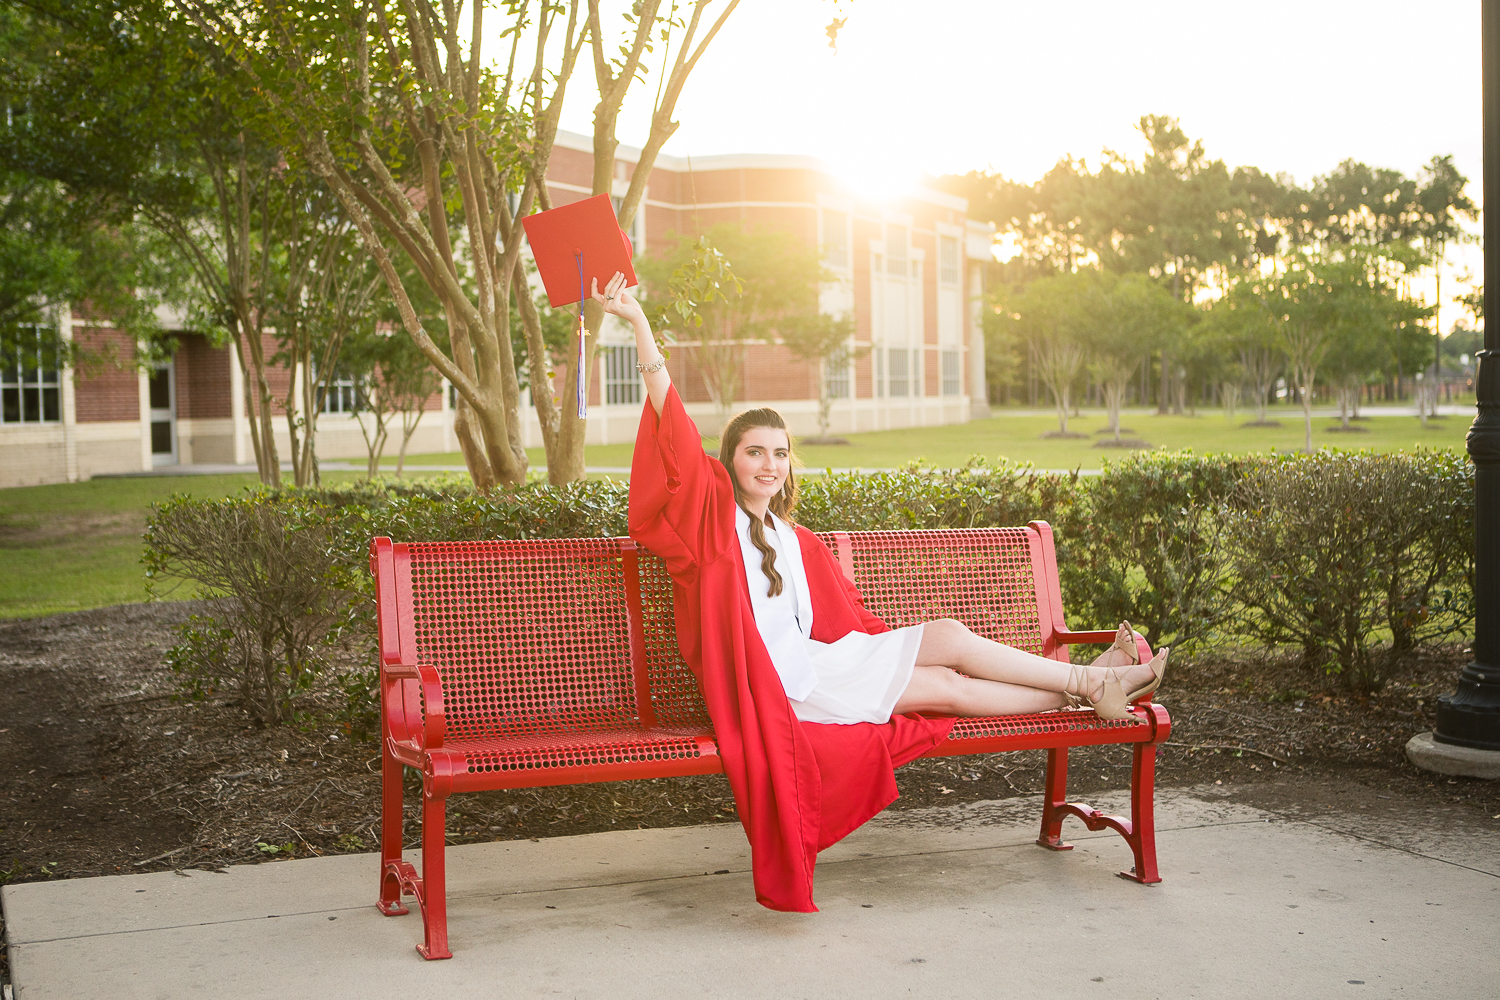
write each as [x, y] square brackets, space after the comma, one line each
[585, 232]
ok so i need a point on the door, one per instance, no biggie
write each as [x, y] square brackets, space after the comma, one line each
[162, 387]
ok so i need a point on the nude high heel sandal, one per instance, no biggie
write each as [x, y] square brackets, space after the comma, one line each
[1124, 645]
[1113, 703]
[1159, 668]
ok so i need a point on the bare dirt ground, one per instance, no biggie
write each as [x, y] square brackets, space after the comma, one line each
[103, 771]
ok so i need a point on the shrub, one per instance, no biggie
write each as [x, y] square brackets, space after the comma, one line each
[1143, 543]
[275, 586]
[1328, 551]
[284, 573]
[1428, 565]
[976, 496]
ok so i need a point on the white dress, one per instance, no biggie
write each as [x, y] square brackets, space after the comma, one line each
[859, 678]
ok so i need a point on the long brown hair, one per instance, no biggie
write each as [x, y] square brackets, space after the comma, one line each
[783, 504]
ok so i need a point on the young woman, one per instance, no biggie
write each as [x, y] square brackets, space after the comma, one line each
[814, 700]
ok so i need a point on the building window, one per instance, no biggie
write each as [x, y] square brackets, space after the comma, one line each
[634, 232]
[918, 374]
[898, 364]
[835, 238]
[344, 395]
[622, 384]
[879, 374]
[947, 260]
[895, 250]
[838, 374]
[950, 373]
[30, 392]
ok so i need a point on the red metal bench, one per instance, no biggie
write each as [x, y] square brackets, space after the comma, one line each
[516, 664]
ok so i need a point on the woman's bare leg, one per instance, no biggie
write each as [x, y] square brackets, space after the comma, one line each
[947, 692]
[947, 642]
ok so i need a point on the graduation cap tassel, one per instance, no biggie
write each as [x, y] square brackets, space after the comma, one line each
[583, 399]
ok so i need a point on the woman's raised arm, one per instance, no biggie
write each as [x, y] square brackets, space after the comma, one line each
[653, 367]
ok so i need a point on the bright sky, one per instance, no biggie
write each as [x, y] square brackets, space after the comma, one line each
[952, 85]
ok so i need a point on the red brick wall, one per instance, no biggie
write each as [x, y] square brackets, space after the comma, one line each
[570, 166]
[772, 372]
[203, 375]
[113, 391]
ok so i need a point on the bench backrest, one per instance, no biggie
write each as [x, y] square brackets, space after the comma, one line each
[546, 636]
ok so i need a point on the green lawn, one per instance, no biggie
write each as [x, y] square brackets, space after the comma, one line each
[72, 546]
[1020, 438]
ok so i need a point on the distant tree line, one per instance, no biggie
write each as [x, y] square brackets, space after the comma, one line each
[1174, 280]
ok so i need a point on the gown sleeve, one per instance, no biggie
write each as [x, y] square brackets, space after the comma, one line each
[676, 492]
[839, 607]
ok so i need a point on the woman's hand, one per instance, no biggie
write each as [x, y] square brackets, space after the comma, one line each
[617, 301]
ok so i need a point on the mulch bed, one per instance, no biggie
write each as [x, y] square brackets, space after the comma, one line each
[104, 772]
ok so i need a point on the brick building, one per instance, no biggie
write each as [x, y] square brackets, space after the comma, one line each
[909, 270]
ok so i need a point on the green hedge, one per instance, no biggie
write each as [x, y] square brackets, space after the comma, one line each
[1354, 557]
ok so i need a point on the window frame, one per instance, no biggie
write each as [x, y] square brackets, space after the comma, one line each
[904, 381]
[834, 220]
[43, 386]
[949, 274]
[951, 386]
[897, 265]
[622, 383]
[350, 393]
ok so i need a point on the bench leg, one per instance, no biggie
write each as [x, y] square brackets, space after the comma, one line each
[1139, 832]
[434, 891]
[1054, 797]
[1142, 836]
[391, 806]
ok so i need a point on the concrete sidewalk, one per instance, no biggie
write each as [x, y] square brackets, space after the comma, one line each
[940, 902]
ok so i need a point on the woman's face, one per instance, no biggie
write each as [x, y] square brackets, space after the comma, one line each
[762, 461]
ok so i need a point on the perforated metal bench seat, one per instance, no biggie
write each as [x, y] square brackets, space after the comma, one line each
[568, 758]
[515, 664]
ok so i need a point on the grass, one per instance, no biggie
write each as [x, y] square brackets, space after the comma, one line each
[72, 546]
[1020, 439]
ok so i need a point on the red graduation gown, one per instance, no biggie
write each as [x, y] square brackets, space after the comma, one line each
[799, 786]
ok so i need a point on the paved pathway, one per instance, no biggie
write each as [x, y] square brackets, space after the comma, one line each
[933, 903]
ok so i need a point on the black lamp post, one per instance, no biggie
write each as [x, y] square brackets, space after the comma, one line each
[1470, 717]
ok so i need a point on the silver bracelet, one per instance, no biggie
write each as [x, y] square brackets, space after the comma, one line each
[649, 367]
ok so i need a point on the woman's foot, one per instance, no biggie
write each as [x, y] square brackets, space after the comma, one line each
[1158, 668]
[1122, 652]
[1110, 690]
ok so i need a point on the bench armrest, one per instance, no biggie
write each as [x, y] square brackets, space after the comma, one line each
[434, 721]
[1069, 637]
[417, 724]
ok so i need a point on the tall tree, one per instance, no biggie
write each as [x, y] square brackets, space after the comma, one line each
[778, 278]
[826, 343]
[1050, 316]
[1123, 318]
[1242, 322]
[401, 113]
[1172, 216]
[132, 115]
